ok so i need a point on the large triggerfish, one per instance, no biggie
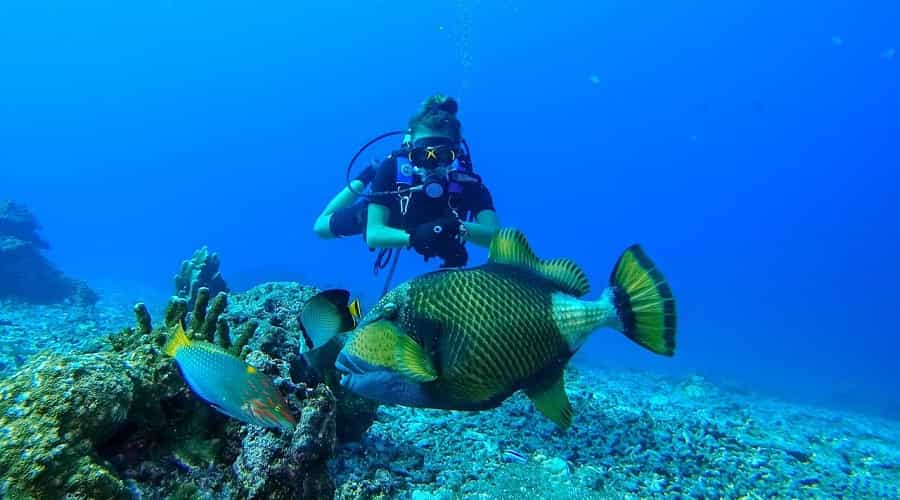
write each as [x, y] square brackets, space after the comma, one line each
[466, 339]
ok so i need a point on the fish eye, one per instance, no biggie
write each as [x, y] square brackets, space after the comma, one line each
[390, 310]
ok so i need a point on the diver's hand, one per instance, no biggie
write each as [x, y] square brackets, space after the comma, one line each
[430, 238]
[368, 173]
[454, 253]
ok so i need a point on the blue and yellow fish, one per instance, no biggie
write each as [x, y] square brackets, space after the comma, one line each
[227, 383]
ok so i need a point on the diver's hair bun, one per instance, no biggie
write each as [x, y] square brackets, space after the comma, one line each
[438, 114]
[440, 102]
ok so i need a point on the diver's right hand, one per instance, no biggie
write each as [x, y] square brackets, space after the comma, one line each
[454, 254]
[430, 238]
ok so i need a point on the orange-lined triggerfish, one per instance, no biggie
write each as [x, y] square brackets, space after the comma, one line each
[227, 383]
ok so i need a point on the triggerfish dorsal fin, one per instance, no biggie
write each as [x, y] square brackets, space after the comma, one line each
[552, 401]
[325, 315]
[177, 340]
[509, 246]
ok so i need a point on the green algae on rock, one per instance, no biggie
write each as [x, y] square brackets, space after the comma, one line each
[54, 413]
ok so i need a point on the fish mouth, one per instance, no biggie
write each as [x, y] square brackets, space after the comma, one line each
[348, 366]
[354, 368]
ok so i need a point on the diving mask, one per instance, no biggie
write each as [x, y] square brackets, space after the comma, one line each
[432, 152]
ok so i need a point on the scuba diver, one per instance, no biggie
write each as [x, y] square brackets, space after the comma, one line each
[424, 196]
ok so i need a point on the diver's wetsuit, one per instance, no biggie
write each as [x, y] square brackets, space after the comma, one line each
[351, 220]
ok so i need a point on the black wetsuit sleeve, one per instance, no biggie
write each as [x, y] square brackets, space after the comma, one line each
[385, 182]
[480, 199]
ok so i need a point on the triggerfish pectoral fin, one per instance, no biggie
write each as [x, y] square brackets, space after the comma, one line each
[412, 361]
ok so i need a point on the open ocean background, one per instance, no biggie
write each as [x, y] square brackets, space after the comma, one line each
[751, 147]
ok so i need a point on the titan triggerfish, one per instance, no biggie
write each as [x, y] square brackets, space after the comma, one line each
[466, 339]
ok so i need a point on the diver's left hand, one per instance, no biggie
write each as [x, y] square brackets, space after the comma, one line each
[368, 174]
[431, 237]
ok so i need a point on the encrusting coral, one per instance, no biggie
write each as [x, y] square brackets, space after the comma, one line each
[122, 422]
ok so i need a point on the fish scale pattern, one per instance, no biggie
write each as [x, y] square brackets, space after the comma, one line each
[496, 329]
[222, 379]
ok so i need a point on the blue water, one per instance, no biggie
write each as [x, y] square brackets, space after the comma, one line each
[751, 147]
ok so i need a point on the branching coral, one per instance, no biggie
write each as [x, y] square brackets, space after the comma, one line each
[206, 321]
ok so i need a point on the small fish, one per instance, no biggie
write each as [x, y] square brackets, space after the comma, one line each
[227, 383]
[467, 339]
[837, 41]
[888, 54]
[331, 312]
[515, 456]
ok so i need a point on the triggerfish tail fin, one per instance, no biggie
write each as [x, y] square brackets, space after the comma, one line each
[327, 314]
[644, 302]
[177, 340]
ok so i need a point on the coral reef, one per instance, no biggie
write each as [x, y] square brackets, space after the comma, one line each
[25, 274]
[54, 413]
[201, 270]
[276, 307]
[121, 422]
[111, 417]
[284, 467]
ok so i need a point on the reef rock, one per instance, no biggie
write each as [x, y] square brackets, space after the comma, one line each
[122, 423]
[201, 270]
[54, 413]
[290, 466]
[25, 274]
[276, 307]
